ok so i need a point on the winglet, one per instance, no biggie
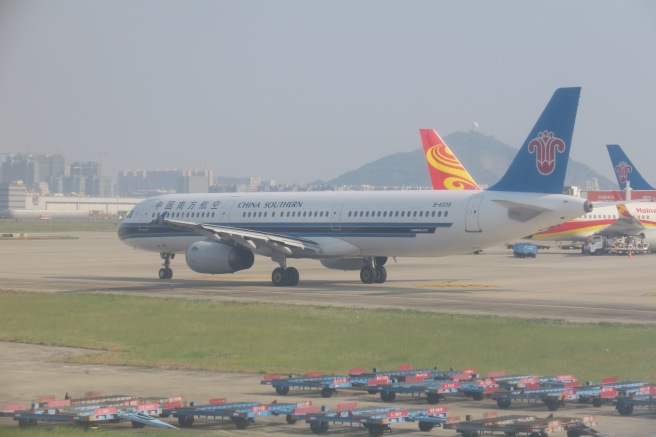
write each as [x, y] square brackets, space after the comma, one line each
[541, 163]
[625, 170]
[446, 172]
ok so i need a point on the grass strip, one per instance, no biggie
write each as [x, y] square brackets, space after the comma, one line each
[268, 338]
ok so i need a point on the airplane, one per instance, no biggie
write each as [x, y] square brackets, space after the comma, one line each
[447, 173]
[221, 232]
[625, 171]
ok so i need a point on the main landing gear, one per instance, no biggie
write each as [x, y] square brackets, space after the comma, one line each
[284, 275]
[166, 272]
[374, 271]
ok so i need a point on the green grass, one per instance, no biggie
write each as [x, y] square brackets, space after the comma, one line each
[267, 338]
[41, 226]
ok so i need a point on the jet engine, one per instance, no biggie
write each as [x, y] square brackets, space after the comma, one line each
[216, 258]
[350, 263]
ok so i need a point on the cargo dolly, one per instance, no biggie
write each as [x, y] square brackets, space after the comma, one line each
[88, 416]
[531, 426]
[434, 390]
[368, 380]
[328, 385]
[375, 420]
[555, 397]
[242, 414]
[645, 397]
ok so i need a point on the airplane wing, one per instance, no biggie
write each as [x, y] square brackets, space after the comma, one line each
[249, 239]
[626, 224]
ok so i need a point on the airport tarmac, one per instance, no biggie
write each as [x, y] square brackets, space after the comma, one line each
[557, 284]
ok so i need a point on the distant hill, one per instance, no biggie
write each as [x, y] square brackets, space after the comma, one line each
[485, 157]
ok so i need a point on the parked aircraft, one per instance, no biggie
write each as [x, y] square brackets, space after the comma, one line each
[221, 232]
[447, 173]
[625, 171]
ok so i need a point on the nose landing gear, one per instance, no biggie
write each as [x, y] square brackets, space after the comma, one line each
[166, 272]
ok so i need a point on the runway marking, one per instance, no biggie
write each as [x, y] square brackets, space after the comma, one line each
[454, 285]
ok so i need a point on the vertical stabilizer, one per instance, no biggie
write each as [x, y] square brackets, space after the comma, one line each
[541, 163]
[446, 172]
[625, 170]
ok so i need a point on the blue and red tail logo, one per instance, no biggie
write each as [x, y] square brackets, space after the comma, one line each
[625, 170]
[545, 147]
[541, 162]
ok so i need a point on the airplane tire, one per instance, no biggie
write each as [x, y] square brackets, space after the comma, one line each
[162, 273]
[292, 276]
[279, 277]
[381, 274]
[367, 275]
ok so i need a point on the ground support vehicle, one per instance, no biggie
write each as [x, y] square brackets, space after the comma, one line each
[600, 244]
[242, 414]
[525, 425]
[369, 380]
[328, 385]
[434, 390]
[89, 416]
[555, 397]
[525, 250]
[645, 397]
[376, 421]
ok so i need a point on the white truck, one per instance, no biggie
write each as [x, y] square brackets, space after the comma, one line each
[600, 244]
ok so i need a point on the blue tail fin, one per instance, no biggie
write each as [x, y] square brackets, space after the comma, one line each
[540, 165]
[625, 170]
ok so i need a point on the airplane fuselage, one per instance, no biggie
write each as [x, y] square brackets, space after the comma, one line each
[346, 224]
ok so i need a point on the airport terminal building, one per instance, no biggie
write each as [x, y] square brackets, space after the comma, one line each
[16, 203]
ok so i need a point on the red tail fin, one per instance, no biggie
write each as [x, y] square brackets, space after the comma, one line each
[445, 170]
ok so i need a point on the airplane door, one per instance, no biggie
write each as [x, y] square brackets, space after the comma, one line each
[336, 218]
[144, 215]
[224, 212]
[472, 214]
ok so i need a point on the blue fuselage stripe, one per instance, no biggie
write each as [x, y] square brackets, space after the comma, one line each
[307, 230]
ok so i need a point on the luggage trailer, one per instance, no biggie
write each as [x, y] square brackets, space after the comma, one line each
[360, 378]
[328, 385]
[376, 421]
[555, 397]
[517, 425]
[645, 397]
[242, 414]
[140, 412]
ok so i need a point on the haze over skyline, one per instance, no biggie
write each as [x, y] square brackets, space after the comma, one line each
[298, 91]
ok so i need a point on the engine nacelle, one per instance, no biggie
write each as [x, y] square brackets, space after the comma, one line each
[217, 258]
[349, 263]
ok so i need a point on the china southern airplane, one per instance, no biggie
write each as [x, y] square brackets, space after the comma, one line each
[359, 230]
[625, 171]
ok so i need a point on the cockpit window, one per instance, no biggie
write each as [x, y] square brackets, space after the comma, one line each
[130, 213]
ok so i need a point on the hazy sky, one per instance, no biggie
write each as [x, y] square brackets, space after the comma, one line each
[300, 90]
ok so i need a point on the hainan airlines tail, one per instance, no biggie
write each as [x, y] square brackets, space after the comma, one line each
[446, 172]
[540, 165]
[625, 170]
